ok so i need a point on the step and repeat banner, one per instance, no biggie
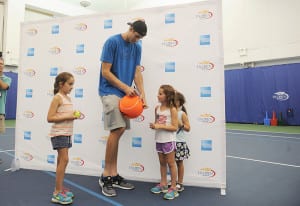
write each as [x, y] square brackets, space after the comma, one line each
[183, 48]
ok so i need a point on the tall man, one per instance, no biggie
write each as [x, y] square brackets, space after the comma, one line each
[120, 67]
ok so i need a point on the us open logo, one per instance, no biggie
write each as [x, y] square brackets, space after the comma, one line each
[29, 72]
[32, 32]
[204, 14]
[137, 167]
[81, 27]
[55, 50]
[206, 172]
[170, 42]
[27, 156]
[77, 161]
[28, 114]
[205, 65]
[206, 118]
[80, 70]
[281, 96]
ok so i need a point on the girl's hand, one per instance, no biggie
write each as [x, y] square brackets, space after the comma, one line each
[152, 125]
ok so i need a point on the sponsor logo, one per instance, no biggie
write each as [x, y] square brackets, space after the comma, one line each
[80, 70]
[206, 145]
[80, 48]
[170, 42]
[81, 27]
[78, 138]
[206, 172]
[32, 32]
[77, 161]
[140, 118]
[29, 72]
[51, 159]
[55, 50]
[27, 156]
[103, 139]
[79, 93]
[108, 24]
[205, 91]
[28, 93]
[204, 14]
[55, 29]
[136, 142]
[206, 118]
[30, 52]
[28, 114]
[170, 18]
[205, 65]
[281, 96]
[50, 93]
[137, 167]
[205, 40]
[170, 67]
[103, 164]
[27, 135]
[53, 71]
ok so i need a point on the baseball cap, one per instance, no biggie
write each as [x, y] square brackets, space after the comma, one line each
[139, 26]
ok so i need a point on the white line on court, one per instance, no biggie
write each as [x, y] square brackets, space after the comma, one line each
[262, 161]
[264, 135]
[12, 150]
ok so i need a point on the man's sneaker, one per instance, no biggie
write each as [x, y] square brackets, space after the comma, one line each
[171, 194]
[158, 189]
[119, 182]
[61, 198]
[179, 187]
[68, 192]
[106, 185]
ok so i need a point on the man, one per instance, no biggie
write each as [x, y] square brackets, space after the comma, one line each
[4, 86]
[121, 56]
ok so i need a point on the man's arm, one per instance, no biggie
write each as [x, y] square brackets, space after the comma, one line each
[139, 82]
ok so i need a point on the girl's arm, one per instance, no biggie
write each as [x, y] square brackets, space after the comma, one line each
[185, 122]
[53, 116]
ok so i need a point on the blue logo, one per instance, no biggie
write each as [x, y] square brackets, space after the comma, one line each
[79, 93]
[205, 91]
[53, 71]
[80, 48]
[205, 39]
[30, 52]
[27, 135]
[136, 142]
[206, 145]
[28, 93]
[281, 96]
[55, 29]
[51, 159]
[170, 67]
[103, 164]
[108, 24]
[78, 138]
[170, 18]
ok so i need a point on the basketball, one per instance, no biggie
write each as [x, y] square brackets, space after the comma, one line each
[131, 106]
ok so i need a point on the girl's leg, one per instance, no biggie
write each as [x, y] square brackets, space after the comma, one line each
[173, 169]
[163, 169]
[180, 169]
[62, 162]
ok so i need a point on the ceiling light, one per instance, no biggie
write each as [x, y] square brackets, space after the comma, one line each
[85, 3]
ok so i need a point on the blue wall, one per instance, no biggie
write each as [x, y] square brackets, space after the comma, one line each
[250, 93]
[11, 101]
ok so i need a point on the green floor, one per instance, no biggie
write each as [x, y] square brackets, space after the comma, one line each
[234, 126]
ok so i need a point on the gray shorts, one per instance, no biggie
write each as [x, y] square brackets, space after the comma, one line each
[113, 118]
[60, 142]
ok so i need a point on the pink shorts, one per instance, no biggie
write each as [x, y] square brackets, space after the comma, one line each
[166, 147]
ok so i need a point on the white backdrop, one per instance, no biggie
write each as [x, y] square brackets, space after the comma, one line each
[183, 48]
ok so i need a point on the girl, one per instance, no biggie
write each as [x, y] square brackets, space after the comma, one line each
[182, 150]
[61, 114]
[165, 126]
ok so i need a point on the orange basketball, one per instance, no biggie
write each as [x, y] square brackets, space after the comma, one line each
[131, 106]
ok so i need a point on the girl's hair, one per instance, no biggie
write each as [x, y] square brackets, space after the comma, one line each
[179, 96]
[61, 78]
[169, 91]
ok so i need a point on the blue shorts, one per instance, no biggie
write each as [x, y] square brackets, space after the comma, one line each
[166, 147]
[60, 142]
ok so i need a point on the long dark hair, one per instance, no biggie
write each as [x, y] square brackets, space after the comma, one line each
[179, 96]
[61, 78]
[169, 91]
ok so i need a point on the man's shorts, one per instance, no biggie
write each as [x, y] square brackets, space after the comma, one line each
[2, 123]
[112, 116]
[166, 147]
[60, 142]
